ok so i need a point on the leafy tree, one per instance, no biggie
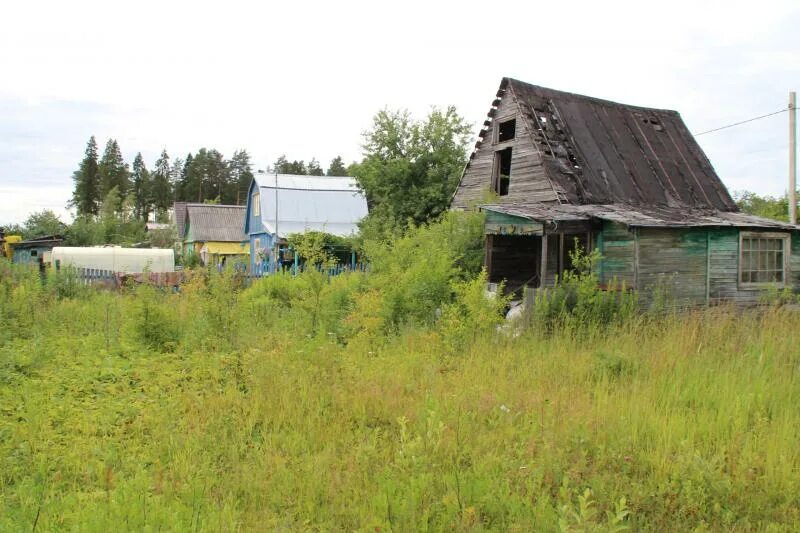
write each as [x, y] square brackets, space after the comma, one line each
[337, 167]
[117, 226]
[86, 195]
[241, 174]
[411, 168]
[141, 189]
[41, 223]
[314, 169]
[161, 186]
[85, 230]
[114, 172]
[763, 206]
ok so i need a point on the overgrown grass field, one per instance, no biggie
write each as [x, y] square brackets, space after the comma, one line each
[386, 401]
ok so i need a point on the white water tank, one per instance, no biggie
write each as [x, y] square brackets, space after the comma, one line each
[116, 259]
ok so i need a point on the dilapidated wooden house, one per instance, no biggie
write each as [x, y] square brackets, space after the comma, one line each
[570, 170]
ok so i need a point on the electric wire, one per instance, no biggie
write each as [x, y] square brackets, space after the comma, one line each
[742, 122]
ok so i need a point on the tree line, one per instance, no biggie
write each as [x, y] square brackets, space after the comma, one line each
[109, 182]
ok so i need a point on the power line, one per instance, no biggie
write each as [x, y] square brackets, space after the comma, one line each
[743, 122]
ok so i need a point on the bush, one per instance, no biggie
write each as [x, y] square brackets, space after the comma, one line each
[578, 302]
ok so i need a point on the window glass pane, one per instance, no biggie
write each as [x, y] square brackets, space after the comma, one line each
[770, 259]
[779, 276]
[745, 276]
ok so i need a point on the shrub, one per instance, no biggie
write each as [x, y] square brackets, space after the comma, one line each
[578, 302]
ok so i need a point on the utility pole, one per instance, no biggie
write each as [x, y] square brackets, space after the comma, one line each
[793, 157]
[277, 244]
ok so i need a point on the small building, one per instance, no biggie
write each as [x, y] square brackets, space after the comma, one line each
[568, 170]
[279, 205]
[37, 250]
[213, 232]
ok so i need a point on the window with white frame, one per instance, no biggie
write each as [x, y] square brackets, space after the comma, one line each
[763, 258]
[256, 203]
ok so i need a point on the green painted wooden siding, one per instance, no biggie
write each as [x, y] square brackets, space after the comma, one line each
[685, 262]
[617, 246]
[674, 261]
[724, 268]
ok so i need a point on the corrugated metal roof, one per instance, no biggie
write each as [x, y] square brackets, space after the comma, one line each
[311, 203]
[307, 183]
[223, 223]
[638, 216]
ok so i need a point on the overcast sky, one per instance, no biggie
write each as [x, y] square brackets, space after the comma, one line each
[305, 78]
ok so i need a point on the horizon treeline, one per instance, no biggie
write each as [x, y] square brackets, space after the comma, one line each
[203, 176]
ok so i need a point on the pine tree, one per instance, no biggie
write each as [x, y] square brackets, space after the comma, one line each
[141, 189]
[113, 171]
[314, 169]
[175, 177]
[241, 174]
[86, 195]
[337, 167]
[187, 185]
[161, 186]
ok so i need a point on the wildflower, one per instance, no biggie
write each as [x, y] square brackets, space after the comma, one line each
[505, 409]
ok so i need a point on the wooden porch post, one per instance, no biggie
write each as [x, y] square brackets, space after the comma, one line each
[543, 267]
[487, 257]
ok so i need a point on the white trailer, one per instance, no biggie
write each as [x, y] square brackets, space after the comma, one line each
[115, 259]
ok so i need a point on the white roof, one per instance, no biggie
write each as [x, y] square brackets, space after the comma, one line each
[316, 203]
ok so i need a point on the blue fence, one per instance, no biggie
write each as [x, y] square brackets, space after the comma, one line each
[266, 269]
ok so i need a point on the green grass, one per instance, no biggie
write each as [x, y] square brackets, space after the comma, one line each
[286, 406]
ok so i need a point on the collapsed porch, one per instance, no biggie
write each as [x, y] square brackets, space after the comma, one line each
[523, 252]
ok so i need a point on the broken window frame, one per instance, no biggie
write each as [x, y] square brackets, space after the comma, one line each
[500, 124]
[771, 258]
[497, 177]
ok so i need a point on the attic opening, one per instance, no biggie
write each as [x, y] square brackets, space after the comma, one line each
[506, 131]
[501, 175]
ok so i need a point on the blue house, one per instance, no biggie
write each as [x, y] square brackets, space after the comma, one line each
[279, 205]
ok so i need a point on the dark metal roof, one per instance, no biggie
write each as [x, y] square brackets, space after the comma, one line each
[42, 241]
[210, 222]
[601, 152]
[638, 216]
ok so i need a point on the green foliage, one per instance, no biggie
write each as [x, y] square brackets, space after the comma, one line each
[319, 403]
[411, 168]
[763, 206]
[114, 173]
[473, 314]
[284, 166]
[160, 192]
[578, 302]
[415, 272]
[142, 189]
[153, 324]
[42, 223]
[337, 167]
[86, 195]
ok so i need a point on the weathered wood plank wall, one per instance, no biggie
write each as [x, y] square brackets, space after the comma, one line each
[674, 261]
[528, 181]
